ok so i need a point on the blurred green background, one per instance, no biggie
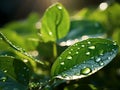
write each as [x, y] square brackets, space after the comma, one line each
[19, 21]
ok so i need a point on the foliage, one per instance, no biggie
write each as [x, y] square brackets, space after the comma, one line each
[59, 52]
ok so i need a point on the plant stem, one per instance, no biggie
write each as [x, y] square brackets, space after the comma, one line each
[54, 50]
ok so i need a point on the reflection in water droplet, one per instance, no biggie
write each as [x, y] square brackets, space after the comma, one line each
[82, 45]
[69, 57]
[86, 71]
[87, 53]
[98, 59]
[91, 47]
[62, 63]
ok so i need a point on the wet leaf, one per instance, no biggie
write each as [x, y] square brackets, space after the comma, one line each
[55, 23]
[14, 71]
[84, 58]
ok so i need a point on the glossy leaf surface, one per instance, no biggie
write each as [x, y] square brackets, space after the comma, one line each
[13, 70]
[84, 58]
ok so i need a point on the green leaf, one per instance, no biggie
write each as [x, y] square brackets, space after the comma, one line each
[15, 71]
[84, 58]
[8, 48]
[55, 23]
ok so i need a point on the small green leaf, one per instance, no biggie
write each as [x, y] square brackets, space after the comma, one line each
[84, 58]
[55, 23]
[15, 69]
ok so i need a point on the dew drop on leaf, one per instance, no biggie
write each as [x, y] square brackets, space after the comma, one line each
[3, 79]
[82, 45]
[62, 63]
[89, 42]
[85, 71]
[101, 63]
[87, 53]
[5, 71]
[59, 7]
[69, 57]
[50, 33]
[76, 52]
[91, 47]
[98, 59]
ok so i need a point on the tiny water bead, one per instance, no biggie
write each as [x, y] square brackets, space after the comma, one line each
[69, 57]
[89, 42]
[101, 63]
[50, 33]
[87, 53]
[98, 59]
[91, 47]
[62, 63]
[69, 52]
[3, 79]
[59, 7]
[5, 71]
[82, 45]
[85, 71]
[76, 52]
[78, 48]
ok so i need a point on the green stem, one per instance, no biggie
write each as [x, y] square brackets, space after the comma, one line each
[54, 50]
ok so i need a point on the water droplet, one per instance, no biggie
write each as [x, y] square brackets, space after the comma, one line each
[91, 47]
[5, 71]
[85, 71]
[59, 7]
[62, 63]
[76, 52]
[50, 33]
[71, 49]
[89, 42]
[109, 58]
[114, 43]
[82, 45]
[98, 59]
[60, 58]
[69, 52]
[76, 44]
[25, 60]
[78, 48]
[87, 53]
[101, 63]
[69, 57]
[3, 79]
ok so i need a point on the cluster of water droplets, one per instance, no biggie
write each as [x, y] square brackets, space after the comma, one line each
[88, 67]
